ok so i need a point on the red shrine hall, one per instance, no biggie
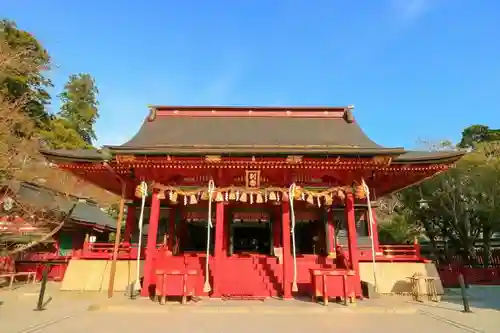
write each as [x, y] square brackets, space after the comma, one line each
[254, 201]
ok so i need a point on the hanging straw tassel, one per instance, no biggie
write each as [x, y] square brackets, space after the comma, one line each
[206, 286]
[292, 230]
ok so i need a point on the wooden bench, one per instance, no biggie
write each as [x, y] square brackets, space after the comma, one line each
[30, 277]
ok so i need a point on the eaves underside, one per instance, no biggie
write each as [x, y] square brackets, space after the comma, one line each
[399, 156]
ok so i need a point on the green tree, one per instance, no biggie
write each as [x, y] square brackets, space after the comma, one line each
[475, 134]
[60, 134]
[462, 204]
[79, 105]
[26, 82]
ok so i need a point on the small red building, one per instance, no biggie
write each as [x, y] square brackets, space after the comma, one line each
[286, 186]
[29, 211]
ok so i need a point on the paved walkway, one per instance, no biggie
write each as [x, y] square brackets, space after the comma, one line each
[77, 312]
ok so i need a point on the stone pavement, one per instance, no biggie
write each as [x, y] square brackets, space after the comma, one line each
[84, 312]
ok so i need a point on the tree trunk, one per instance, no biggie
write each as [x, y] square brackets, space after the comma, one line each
[487, 234]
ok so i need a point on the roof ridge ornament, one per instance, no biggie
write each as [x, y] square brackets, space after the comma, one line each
[348, 116]
[152, 113]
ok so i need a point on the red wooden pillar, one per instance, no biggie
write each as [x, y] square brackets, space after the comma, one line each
[352, 239]
[129, 223]
[219, 253]
[154, 218]
[172, 218]
[287, 256]
[376, 243]
[330, 234]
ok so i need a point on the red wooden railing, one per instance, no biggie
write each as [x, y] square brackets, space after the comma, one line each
[392, 253]
[129, 251]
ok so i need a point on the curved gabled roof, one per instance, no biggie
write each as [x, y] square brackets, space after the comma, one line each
[202, 130]
[252, 130]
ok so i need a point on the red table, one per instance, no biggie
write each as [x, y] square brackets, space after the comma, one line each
[328, 283]
[175, 283]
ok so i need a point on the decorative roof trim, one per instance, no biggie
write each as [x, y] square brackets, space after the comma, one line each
[252, 111]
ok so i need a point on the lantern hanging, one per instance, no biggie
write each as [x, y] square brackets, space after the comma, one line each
[219, 197]
[232, 195]
[243, 197]
[272, 196]
[259, 198]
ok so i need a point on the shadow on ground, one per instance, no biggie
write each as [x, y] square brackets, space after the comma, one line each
[481, 297]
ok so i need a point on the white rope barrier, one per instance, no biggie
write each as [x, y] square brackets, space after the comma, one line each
[144, 193]
[370, 221]
[211, 187]
[291, 195]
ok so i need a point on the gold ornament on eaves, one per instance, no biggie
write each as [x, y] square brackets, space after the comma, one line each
[192, 196]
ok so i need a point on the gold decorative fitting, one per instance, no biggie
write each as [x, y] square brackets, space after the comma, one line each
[272, 196]
[252, 179]
[125, 158]
[243, 197]
[213, 158]
[259, 198]
[219, 197]
[386, 160]
[293, 159]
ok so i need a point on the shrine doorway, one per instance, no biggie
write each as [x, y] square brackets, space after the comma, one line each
[310, 237]
[249, 237]
[250, 233]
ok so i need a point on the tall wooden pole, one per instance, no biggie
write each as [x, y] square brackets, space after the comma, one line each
[112, 270]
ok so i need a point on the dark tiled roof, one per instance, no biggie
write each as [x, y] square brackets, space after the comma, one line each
[40, 197]
[252, 134]
[235, 134]
[428, 156]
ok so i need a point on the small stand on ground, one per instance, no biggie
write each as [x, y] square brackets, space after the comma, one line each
[41, 296]
[465, 298]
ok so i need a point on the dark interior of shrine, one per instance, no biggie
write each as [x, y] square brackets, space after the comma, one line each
[256, 237]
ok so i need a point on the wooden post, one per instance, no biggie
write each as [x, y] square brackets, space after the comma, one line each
[287, 256]
[352, 238]
[130, 223]
[154, 217]
[219, 254]
[112, 269]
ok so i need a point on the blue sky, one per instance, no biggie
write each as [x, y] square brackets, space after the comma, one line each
[414, 69]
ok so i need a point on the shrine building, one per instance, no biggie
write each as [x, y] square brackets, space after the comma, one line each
[250, 202]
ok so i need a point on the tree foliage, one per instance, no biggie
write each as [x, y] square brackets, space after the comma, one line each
[79, 105]
[475, 134]
[24, 124]
[462, 205]
[25, 81]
